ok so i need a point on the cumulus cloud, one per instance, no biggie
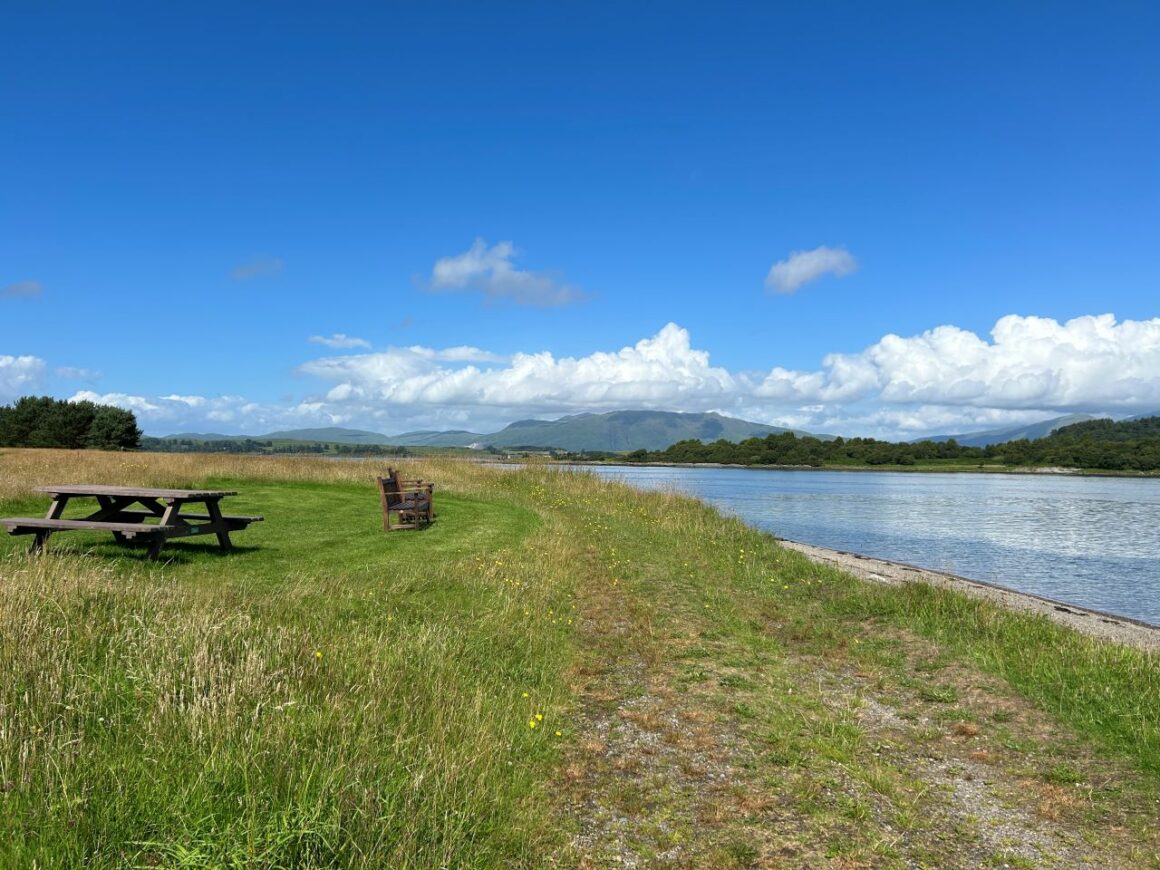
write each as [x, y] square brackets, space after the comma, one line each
[946, 380]
[802, 267]
[491, 270]
[658, 372]
[1089, 363]
[339, 340]
[260, 267]
[19, 374]
[22, 289]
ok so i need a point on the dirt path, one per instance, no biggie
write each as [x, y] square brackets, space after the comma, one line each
[716, 738]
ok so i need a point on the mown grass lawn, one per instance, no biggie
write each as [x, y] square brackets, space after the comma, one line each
[560, 671]
[326, 694]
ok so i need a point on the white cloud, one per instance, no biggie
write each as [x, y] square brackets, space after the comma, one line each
[339, 340]
[1089, 363]
[946, 380]
[491, 270]
[178, 413]
[802, 267]
[70, 373]
[22, 289]
[658, 372]
[261, 267]
[18, 374]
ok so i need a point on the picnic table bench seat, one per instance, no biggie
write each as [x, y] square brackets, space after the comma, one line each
[234, 521]
[30, 525]
[127, 524]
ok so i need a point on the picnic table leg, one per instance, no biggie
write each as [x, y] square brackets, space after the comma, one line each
[54, 511]
[215, 520]
[38, 541]
[168, 518]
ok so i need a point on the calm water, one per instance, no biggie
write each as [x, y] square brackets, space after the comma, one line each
[1093, 541]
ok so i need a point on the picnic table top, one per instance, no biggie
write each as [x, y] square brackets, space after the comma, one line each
[135, 491]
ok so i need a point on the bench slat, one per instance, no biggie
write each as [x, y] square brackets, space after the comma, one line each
[184, 516]
[15, 524]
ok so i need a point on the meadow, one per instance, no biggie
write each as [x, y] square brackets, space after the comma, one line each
[559, 672]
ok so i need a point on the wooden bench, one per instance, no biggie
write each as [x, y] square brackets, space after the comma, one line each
[234, 522]
[115, 514]
[410, 502]
[42, 528]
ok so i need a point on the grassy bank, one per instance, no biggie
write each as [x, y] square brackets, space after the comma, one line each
[560, 671]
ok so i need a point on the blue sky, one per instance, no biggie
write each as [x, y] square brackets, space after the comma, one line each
[485, 212]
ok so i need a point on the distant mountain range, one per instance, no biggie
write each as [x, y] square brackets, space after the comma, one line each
[615, 431]
[1029, 431]
[329, 434]
[612, 431]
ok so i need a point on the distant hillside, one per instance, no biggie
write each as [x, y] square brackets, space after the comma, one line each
[330, 434]
[327, 435]
[433, 438]
[203, 436]
[611, 432]
[1132, 429]
[1012, 433]
[626, 430]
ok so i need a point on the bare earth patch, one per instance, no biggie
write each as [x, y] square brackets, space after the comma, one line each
[703, 750]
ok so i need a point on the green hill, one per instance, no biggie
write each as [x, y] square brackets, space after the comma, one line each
[1134, 429]
[1030, 431]
[626, 430]
[610, 432]
[330, 435]
[435, 438]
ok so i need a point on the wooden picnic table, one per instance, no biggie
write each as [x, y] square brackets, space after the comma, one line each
[116, 513]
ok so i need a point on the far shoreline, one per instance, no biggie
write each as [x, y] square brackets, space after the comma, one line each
[902, 469]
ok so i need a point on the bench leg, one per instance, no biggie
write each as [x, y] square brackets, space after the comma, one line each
[39, 540]
[215, 519]
[155, 547]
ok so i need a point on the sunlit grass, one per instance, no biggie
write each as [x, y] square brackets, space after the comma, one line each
[331, 695]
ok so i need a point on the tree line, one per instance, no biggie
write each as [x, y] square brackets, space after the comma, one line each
[266, 446]
[46, 422]
[1132, 445]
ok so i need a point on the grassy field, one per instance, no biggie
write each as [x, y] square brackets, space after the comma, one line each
[559, 672]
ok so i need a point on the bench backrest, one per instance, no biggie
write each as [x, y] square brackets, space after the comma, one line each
[389, 490]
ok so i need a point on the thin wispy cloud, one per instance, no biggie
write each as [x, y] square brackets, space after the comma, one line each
[70, 373]
[339, 341]
[22, 290]
[491, 271]
[803, 267]
[261, 267]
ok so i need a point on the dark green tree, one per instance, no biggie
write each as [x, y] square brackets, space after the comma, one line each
[113, 429]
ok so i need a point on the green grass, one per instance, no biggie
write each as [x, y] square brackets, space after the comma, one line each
[331, 695]
[325, 695]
